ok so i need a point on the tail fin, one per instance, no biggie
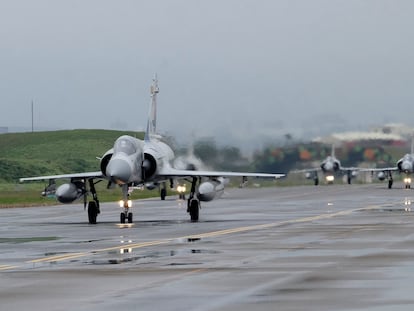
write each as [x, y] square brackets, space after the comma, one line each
[152, 116]
[412, 144]
[333, 151]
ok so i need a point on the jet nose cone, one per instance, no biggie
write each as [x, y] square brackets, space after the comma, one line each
[406, 166]
[328, 166]
[119, 171]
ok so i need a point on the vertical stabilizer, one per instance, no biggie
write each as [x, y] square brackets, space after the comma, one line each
[152, 115]
[333, 151]
[412, 144]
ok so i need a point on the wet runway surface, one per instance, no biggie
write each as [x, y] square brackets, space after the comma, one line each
[334, 247]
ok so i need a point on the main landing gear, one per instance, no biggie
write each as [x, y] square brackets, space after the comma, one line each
[93, 206]
[349, 177]
[390, 180]
[163, 189]
[193, 204]
[315, 178]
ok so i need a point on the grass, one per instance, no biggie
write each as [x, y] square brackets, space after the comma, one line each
[49, 153]
[57, 152]
[29, 194]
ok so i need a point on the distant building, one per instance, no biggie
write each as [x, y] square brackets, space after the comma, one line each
[4, 129]
[396, 128]
[388, 136]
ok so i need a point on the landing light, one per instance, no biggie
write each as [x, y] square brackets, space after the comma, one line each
[122, 203]
[407, 180]
[125, 250]
[330, 178]
[181, 189]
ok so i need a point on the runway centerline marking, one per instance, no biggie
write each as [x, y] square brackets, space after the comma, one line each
[212, 234]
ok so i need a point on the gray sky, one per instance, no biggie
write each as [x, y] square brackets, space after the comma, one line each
[259, 68]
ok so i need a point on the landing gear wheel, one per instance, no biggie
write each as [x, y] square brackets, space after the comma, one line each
[122, 218]
[92, 212]
[129, 218]
[316, 181]
[390, 184]
[163, 194]
[194, 210]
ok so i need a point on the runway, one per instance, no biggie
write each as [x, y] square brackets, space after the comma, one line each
[342, 247]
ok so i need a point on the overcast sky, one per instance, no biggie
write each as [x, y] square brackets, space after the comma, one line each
[255, 67]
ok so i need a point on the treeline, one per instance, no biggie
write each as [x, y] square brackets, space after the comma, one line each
[296, 156]
[47, 153]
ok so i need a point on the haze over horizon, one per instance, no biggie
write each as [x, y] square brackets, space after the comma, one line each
[250, 70]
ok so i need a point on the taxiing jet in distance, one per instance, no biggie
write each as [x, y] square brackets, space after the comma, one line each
[149, 163]
[329, 167]
[405, 165]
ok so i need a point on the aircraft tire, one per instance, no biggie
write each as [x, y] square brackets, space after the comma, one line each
[163, 194]
[92, 212]
[130, 218]
[389, 184]
[194, 210]
[316, 181]
[122, 218]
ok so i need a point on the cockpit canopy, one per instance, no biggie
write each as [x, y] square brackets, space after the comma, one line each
[125, 145]
[408, 157]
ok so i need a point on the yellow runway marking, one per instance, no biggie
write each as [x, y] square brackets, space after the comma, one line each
[58, 257]
[7, 267]
[212, 234]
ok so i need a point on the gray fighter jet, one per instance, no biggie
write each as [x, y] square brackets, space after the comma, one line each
[149, 163]
[405, 165]
[330, 167]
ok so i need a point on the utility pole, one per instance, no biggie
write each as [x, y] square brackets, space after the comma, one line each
[32, 118]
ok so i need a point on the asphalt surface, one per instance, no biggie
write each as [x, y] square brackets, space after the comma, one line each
[339, 247]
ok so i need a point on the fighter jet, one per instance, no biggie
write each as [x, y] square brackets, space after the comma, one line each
[330, 167]
[149, 163]
[405, 165]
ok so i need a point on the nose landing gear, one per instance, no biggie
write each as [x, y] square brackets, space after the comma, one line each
[126, 204]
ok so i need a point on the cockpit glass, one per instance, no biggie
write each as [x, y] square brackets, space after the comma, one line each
[125, 146]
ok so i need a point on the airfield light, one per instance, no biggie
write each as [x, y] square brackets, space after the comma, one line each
[330, 178]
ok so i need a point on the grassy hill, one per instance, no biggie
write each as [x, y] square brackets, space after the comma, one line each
[57, 152]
